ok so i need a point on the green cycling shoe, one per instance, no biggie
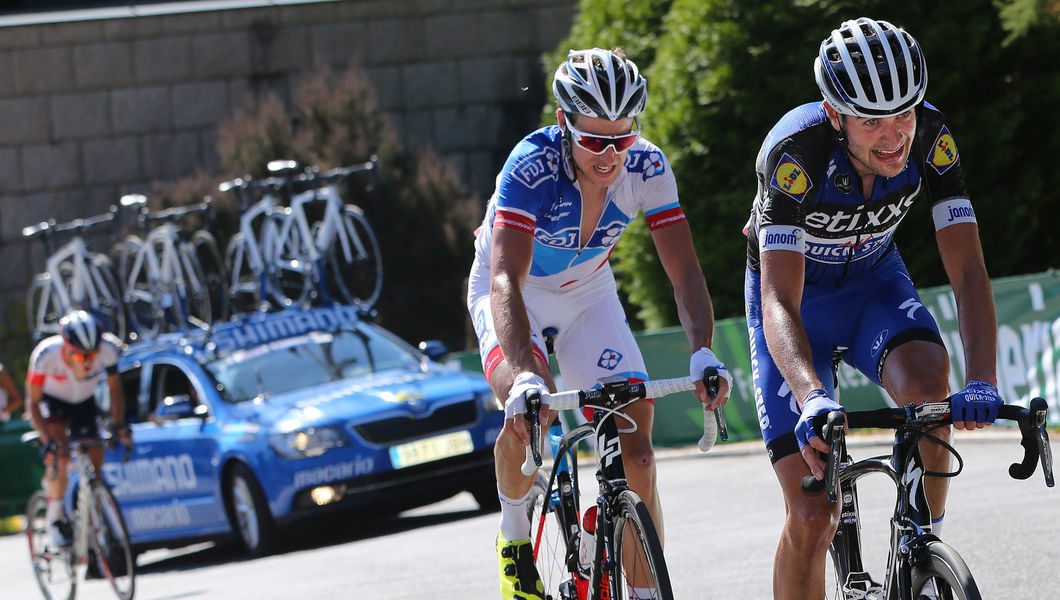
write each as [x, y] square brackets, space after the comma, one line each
[519, 578]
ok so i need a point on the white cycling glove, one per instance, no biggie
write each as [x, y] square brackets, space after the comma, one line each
[703, 358]
[524, 382]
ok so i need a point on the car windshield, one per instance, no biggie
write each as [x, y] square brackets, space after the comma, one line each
[308, 360]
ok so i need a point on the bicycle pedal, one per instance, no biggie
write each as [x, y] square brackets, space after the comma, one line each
[860, 586]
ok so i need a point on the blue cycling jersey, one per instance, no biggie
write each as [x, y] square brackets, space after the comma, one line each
[810, 197]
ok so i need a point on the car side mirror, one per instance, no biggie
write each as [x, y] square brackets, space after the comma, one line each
[179, 406]
[434, 349]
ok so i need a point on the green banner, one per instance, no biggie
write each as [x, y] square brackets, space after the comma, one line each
[1028, 311]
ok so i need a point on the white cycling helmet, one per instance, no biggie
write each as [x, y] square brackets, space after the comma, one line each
[600, 83]
[81, 330]
[871, 69]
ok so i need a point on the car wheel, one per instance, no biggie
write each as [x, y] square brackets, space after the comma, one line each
[485, 494]
[248, 511]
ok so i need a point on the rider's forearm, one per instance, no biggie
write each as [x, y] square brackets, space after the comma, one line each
[512, 324]
[977, 322]
[790, 348]
[695, 312]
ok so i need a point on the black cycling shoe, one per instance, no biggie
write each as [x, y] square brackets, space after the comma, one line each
[61, 533]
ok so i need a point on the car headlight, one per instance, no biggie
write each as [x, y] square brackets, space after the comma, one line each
[307, 443]
[489, 402]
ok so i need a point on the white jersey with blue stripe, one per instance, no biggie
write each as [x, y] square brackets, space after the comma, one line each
[536, 193]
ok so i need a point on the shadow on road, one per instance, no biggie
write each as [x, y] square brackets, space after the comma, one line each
[307, 534]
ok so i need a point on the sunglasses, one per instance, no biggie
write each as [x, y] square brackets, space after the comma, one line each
[598, 144]
[83, 357]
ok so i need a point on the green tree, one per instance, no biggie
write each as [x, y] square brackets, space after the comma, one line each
[723, 72]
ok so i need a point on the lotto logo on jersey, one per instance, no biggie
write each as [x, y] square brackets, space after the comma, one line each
[533, 169]
[944, 154]
[790, 178]
[609, 359]
[648, 163]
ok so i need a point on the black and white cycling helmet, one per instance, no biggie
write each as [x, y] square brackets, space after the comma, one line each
[600, 83]
[871, 69]
[81, 330]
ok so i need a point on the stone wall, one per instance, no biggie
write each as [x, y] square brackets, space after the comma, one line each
[95, 104]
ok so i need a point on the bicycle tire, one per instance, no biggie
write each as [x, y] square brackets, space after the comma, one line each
[142, 307]
[244, 283]
[633, 524]
[195, 309]
[287, 265]
[213, 267]
[549, 539]
[42, 307]
[109, 306]
[354, 264]
[938, 562]
[110, 541]
[52, 567]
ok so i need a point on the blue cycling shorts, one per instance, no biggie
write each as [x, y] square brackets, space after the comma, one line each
[864, 318]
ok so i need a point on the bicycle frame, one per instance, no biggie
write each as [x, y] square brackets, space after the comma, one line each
[254, 255]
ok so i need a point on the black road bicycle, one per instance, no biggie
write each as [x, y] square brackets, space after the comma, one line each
[619, 546]
[918, 562]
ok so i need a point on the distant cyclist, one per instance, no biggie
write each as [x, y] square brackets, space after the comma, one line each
[64, 371]
[835, 178]
[563, 199]
[10, 397]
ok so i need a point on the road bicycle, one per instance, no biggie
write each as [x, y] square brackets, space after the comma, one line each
[328, 255]
[73, 278]
[918, 562]
[171, 283]
[614, 543]
[99, 533]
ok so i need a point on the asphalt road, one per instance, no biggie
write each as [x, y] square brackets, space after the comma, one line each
[723, 517]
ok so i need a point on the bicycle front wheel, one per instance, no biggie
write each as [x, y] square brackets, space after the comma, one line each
[110, 540]
[551, 541]
[354, 266]
[939, 568]
[52, 566]
[638, 552]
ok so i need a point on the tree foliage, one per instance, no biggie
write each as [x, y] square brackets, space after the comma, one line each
[722, 72]
[422, 215]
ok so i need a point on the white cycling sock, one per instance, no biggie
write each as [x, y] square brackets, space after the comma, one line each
[936, 526]
[641, 593]
[515, 524]
[54, 511]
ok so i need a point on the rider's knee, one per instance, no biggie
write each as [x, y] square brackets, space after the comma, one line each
[811, 524]
[639, 458]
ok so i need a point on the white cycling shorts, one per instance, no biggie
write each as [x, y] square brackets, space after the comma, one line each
[593, 339]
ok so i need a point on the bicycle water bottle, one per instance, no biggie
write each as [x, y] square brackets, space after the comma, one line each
[587, 540]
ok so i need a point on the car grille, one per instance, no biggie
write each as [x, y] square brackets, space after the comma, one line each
[400, 428]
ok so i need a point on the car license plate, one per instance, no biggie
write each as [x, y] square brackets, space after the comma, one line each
[430, 449]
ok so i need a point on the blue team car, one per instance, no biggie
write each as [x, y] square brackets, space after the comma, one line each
[277, 416]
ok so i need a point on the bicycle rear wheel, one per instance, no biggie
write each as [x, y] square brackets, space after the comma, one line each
[110, 540]
[638, 551]
[109, 305]
[244, 283]
[354, 270]
[213, 268]
[551, 541]
[938, 564]
[143, 307]
[52, 566]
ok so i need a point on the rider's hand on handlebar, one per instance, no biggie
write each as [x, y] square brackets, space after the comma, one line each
[975, 406]
[700, 360]
[816, 403]
[515, 405]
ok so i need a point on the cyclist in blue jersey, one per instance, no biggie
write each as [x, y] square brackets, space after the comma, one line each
[824, 277]
[563, 199]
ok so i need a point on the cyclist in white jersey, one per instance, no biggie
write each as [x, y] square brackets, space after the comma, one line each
[64, 371]
[563, 198]
[10, 397]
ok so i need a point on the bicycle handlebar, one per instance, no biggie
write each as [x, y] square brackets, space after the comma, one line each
[290, 178]
[1032, 422]
[175, 212]
[617, 393]
[50, 226]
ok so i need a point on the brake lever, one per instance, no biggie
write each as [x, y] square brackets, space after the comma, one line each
[533, 415]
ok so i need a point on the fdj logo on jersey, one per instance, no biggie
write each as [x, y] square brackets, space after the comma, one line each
[535, 168]
[609, 359]
[648, 163]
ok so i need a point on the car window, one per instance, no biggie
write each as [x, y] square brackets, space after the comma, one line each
[308, 360]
